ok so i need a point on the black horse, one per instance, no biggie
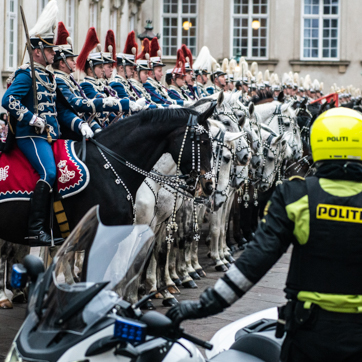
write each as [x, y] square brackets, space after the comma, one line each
[141, 140]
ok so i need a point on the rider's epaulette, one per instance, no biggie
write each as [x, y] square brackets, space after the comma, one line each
[296, 178]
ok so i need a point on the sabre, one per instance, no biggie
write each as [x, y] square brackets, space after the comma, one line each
[30, 51]
[32, 69]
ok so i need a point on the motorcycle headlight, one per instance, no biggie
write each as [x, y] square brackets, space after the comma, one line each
[13, 355]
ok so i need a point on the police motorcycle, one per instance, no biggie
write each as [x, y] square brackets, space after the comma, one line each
[78, 316]
[83, 319]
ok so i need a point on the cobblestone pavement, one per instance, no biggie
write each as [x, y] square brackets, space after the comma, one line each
[268, 293]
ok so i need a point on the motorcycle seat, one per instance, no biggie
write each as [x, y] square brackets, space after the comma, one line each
[232, 355]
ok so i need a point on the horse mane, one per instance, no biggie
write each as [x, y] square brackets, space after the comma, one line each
[150, 116]
[262, 97]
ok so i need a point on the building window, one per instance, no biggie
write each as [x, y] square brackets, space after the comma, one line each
[250, 29]
[179, 20]
[12, 34]
[70, 17]
[320, 29]
[93, 15]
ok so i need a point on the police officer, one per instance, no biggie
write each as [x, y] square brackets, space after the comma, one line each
[35, 131]
[322, 217]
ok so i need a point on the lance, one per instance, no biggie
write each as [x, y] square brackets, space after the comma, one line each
[32, 69]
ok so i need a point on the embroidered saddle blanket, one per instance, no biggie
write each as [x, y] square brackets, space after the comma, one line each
[18, 178]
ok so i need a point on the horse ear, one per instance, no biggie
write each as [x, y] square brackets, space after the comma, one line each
[203, 117]
[281, 97]
[304, 102]
[232, 136]
[242, 121]
[278, 139]
[220, 99]
[251, 108]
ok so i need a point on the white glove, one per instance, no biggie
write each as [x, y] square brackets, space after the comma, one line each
[38, 123]
[174, 106]
[188, 103]
[134, 107]
[98, 130]
[110, 102]
[141, 102]
[85, 130]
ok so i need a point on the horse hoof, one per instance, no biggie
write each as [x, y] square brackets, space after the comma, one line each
[6, 304]
[148, 305]
[194, 275]
[169, 302]
[201, 273]
[221, 268]
[228, 265]
[189, 285]
[158, 296]
[177, 281]
[76, 279]
[209, 255]
[19, 299]
[173, 289]
[230, 259]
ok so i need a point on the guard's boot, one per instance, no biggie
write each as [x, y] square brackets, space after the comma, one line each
[39, 211]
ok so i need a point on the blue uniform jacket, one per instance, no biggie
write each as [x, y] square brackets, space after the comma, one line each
[81, 105]
[210, 90]
[94, 89]
[157, 97]
[18, 100]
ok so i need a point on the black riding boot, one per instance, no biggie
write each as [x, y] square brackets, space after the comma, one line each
[39, 212]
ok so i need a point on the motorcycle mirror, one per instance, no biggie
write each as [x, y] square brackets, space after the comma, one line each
[157, 323]
[34, 266]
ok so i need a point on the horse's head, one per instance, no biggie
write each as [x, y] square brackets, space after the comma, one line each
[274, 148]
[191, 149]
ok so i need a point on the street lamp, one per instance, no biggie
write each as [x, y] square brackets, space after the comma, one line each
[187, 25]
[255, 24]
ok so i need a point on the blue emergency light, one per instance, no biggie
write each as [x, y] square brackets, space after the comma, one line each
[129, 330]
[19, 276]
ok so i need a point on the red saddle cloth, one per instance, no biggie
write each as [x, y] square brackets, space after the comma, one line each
[18, 178]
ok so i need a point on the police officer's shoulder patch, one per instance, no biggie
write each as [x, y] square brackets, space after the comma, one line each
[296, 178]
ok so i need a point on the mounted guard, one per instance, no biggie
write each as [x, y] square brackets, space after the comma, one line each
[34, 105]
[202, 68]
[64, 65]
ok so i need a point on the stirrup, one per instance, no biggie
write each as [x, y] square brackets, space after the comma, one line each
[34, 241]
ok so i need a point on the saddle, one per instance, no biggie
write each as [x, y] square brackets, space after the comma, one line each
[18, 178]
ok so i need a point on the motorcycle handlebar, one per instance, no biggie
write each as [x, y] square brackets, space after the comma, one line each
[197, 341]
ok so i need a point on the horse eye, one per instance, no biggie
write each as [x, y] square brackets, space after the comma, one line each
[270, 158]
[226, 159]
[287, 124]
[226, 123]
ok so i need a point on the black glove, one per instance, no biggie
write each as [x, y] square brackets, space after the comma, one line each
[210, 303]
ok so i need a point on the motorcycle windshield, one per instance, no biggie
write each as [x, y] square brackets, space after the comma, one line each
[93, 269]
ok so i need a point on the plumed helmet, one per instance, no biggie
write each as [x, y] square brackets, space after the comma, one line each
[85, 57]
[63, 44]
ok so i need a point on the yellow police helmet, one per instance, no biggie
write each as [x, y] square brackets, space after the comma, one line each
[337, 135]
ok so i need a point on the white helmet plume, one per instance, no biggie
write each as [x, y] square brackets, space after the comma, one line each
[47, 21]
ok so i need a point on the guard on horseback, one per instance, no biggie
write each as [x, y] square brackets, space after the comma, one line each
[93, 86]
[175, 79]
[64, 65]
[153, 86]
[217, 77]
[33, 103]
[125, 70]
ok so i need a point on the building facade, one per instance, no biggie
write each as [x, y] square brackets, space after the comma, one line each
[316, 37]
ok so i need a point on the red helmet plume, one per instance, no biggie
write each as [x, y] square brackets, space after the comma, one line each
[187, 54]
[145, 50]
[155, 47]
[180, 62]
[111, 40]
[91, 42]
[62, 35]
[131, 46]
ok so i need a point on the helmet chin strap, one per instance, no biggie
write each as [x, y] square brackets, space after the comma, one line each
[65, 61]
[124, 68]
[92, 69]
[41, 47]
